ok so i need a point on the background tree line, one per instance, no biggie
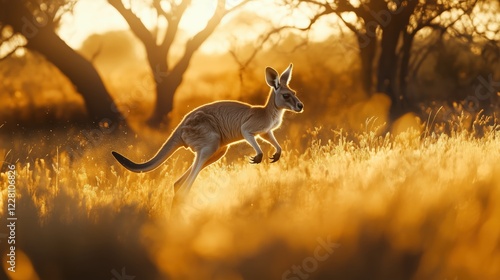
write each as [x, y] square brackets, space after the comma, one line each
[404, 49]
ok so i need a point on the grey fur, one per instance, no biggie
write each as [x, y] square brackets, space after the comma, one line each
[210, 129]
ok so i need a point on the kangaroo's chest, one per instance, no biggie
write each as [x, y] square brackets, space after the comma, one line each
[271, 124]
[276, 123]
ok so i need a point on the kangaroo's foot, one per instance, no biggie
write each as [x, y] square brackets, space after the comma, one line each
[275, 157]
[256, 159]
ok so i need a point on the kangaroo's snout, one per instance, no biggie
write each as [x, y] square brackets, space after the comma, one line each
[300, 107]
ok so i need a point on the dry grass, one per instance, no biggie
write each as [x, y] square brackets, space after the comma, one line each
[410, 206]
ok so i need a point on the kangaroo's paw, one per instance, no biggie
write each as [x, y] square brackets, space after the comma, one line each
[256, 159]
[275, 157]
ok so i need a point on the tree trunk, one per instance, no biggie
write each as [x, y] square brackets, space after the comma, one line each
[167, 84]
[388, 61]
[42, 38]
[404, 64]
[165, 91]
[388, 66]
[367, 51]
[98, 102]
[387, 72]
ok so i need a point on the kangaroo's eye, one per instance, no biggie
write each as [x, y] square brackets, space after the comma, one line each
[286, 95]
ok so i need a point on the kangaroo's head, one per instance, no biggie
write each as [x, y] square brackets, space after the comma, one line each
[284, 97]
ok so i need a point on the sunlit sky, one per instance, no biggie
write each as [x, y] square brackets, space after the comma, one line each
[97, 16]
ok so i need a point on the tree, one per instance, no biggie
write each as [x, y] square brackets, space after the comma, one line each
[385, 32]
[158, 44]
[35, 23]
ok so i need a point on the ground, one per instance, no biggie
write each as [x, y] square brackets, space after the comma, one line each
[350, 206]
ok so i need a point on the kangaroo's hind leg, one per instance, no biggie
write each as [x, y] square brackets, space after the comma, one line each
[202, 157]
[215, 157]
[198, 133]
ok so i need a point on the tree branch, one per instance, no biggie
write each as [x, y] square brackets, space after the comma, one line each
[135, 24]
[349, 25]
[173, 24]
[194, 43]
[160, 10]
[237, 6]
[244, 63]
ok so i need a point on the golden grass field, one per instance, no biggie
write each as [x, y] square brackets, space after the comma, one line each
[350, 206]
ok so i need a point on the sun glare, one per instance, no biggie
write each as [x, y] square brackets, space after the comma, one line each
[89, 17]
[98, 17]
[197, 16]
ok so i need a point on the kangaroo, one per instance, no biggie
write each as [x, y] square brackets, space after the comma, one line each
[210, 129]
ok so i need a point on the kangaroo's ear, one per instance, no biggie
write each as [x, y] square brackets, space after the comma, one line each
[272, 78]
[286, 76]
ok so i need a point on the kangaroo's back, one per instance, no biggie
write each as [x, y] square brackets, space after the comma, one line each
[224, 117]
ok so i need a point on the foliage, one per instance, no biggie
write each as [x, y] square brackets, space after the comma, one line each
[387, 30]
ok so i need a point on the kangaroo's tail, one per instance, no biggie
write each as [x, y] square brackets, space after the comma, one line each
[173, 143]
